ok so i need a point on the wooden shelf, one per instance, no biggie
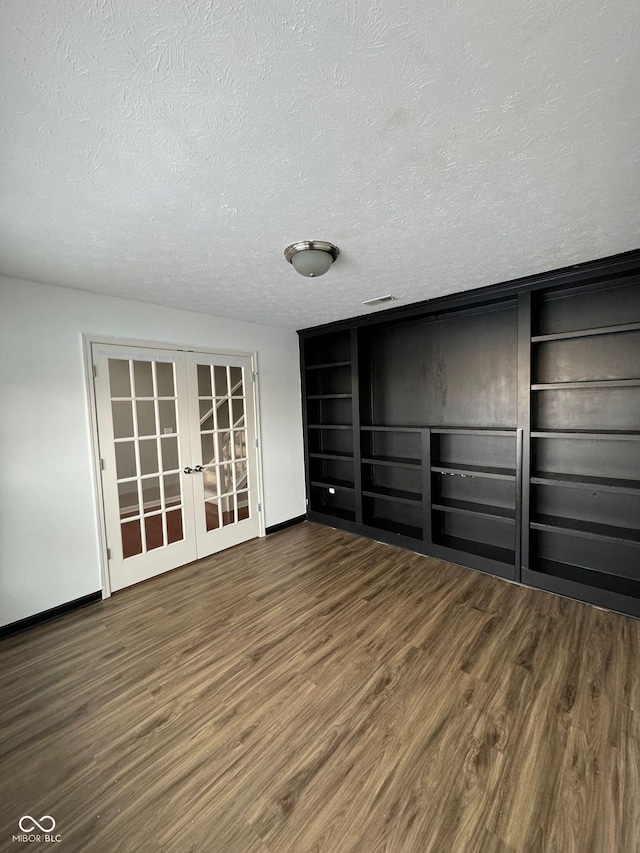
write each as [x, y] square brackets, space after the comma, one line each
[598, 435]
[480, 549]
[329, 396]
[394, 527]
[587, 333]
[392, 461]
[587, 383]
[496, 513]
[476, 471]
[334, 512]
[398, 495]
[622, 584]
[339, 485]
[392, 428]
[329, 426]
[332, 455]
[587, 529]
[328, 364]
[579, 481]
[510, 433]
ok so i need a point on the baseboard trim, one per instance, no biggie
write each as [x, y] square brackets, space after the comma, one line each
[291, 522]
[48, 615]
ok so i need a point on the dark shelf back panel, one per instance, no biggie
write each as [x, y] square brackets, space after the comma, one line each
[587, 457]
[477, 449]
[325, 349]
[389, 477]
[330, 411]
[476, 471]
[486, 531]
[618, 560]
[586, 408]
[321, 500]
[481, 490]
[327, 470]
[488, 553]
[399, 444]
[607, 357]
[383, 513]
[330, 441]
[332, 380]
[468, 508]
[594, 580]
[593, 506]
[610, 304]
[449, 370]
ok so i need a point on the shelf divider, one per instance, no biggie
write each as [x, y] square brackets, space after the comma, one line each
[356, 404]
[329, 426]
[334, 512]
[597, 435]
[407, 530]
[587, 529]
[475, 471]
[392, 461]
[580, 481]
[398, 495]
[480, 549]
[328, 364]
[336, 454]
[587, 333]
[489, 431]
[586, 383]
[390, 428]
[339, 485]
[427, 493]
[497, 513]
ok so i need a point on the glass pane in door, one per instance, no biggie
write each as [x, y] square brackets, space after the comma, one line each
[222, 407]
[145, 427]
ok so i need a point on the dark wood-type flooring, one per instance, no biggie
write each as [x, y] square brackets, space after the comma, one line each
[314, 691]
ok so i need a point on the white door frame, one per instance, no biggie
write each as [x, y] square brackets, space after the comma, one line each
[88, 340]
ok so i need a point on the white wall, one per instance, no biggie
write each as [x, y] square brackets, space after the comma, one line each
[48, 527]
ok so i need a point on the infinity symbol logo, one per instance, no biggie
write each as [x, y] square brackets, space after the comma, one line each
[28, 823]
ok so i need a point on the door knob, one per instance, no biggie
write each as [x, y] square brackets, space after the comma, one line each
[198, 469]
[188, 471]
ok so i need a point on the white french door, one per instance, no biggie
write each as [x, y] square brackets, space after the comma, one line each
[223, 439]
[179, 468]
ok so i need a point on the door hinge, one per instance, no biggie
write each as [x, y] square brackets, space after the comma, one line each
[95, 371]
[259, 507]
[102, 464]
[108, 553]
[255, 442]
[253, 376]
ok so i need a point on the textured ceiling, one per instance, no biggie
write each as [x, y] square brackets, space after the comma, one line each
[169, 151]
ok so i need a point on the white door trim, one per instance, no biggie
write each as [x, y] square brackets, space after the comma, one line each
[88, 340]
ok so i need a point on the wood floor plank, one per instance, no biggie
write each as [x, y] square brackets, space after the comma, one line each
[315, 692]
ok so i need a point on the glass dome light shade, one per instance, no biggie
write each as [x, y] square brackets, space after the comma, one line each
[312, 262]
[311, 258]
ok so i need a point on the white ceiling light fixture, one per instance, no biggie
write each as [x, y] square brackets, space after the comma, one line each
[311, 257]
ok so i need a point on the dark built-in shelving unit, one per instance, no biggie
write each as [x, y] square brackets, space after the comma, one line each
[329, 426]
[584, 485]
[497, 429]
[473, 496]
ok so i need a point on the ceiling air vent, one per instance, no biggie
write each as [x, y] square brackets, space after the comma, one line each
[380, 300]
